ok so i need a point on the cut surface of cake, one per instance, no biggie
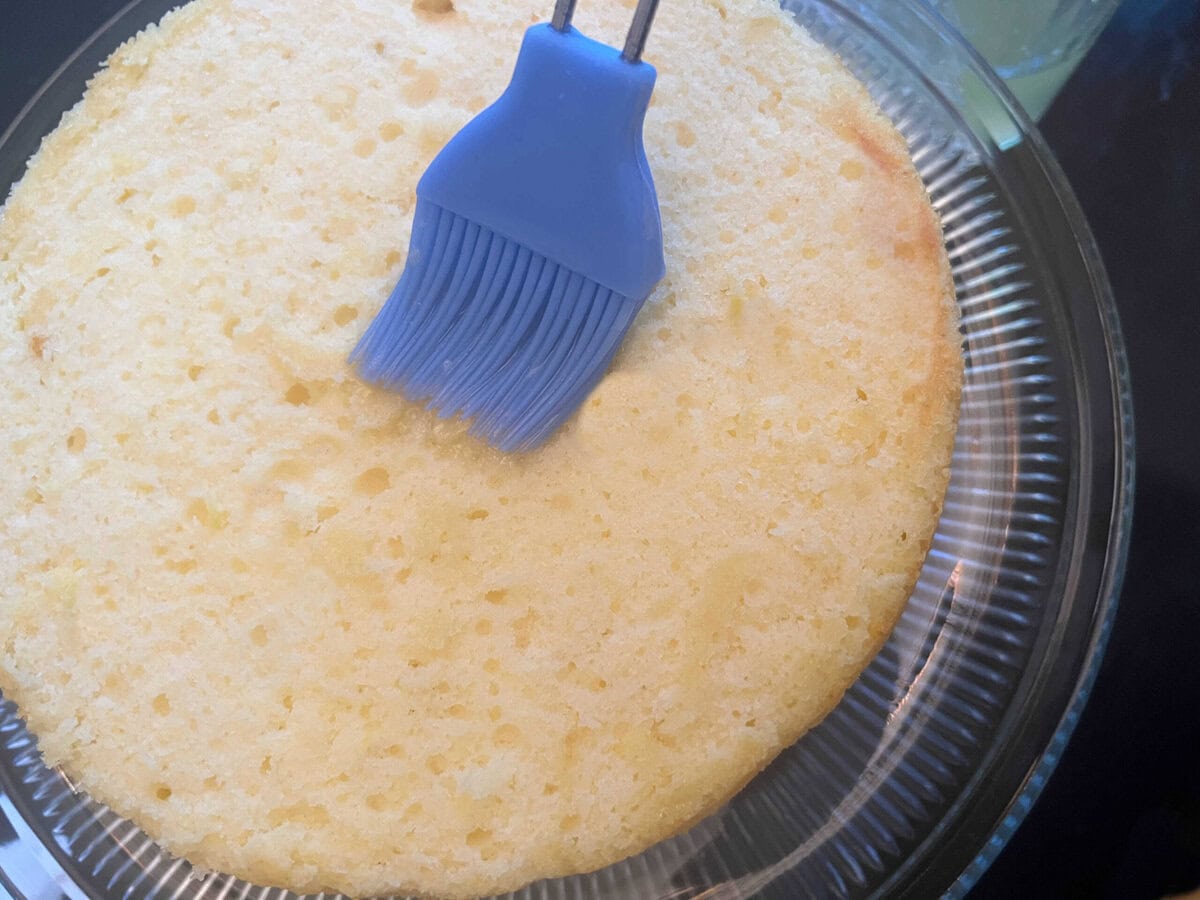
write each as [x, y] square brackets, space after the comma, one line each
[305, 633]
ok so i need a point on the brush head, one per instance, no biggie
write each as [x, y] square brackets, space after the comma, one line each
[535, 242]
[482, 327]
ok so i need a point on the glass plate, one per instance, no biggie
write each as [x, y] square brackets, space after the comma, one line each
[914, 782]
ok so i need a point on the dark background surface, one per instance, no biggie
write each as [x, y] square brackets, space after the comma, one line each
[1121, 816]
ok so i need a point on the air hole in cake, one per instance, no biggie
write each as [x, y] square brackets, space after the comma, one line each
[851, 170]
[297, 395]
[376, 802]
[291, 469]
[433, 8]
[423, 88]
[432, 139]
[389, 131]
[372, 482]
[507, 735]
[301, 814]
[77, 440]
[201, 511]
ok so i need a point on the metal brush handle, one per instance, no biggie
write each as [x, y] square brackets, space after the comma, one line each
[639, 28]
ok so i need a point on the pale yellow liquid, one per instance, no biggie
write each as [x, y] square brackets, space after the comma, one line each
[1033, 44]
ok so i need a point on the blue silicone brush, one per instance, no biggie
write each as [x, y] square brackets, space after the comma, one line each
[536, 240]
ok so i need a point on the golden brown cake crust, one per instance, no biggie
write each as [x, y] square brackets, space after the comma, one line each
[304, 633]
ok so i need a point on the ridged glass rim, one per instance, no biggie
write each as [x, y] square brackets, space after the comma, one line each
[1115, 380]
[1121, 515]
[1119, 385]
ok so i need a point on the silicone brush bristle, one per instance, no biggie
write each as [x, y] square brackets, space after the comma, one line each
[481, 327]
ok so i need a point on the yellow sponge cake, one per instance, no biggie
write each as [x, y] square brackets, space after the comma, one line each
[306, 633]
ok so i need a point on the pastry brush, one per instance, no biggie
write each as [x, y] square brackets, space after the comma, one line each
[535, 241]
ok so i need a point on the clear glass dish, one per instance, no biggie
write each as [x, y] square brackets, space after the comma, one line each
[916, 780]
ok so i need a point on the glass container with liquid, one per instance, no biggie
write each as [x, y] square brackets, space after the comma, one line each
[1034, 45]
